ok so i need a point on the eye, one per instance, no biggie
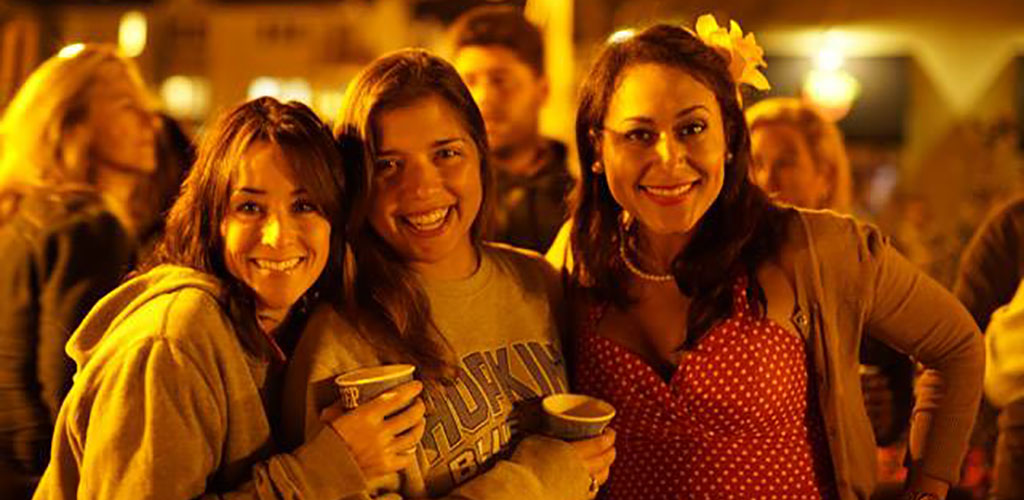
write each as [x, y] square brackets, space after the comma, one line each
[692, 128]
[248, 208]
[385, 166]
[641, 136]
[447, 153]
[305, 206]
[500, 81]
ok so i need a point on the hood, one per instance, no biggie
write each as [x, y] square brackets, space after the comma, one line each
[119, 304]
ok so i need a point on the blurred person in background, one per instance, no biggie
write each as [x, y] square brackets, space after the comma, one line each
[180, 368]
[175, 153]
[77, 140]
[500, 56]
[800, 159]
[990, 272]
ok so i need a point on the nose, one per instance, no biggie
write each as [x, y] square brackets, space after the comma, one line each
[422, 179]
[275, 231]
[669, 151]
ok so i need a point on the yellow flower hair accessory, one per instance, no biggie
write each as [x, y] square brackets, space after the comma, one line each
[742, 52]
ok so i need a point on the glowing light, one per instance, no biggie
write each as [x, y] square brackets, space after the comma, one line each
[185, 96]
[71, 51]
[328, 102]
[621, 36]
[296, 89]
[283, 89]
[264, 86]
[131, 35]
[830, 59]
[832, 91]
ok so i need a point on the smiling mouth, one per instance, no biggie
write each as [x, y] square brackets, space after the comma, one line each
[427, 221]
[670, 191]
[278, 265]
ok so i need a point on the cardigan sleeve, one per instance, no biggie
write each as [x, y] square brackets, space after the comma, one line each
[916, 315]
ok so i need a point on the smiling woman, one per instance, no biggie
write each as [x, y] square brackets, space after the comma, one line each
[481, 322]
[181, 364]
[726, 328]
[276, 240]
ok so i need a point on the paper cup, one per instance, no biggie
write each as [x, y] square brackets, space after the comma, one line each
[574, 416]
[359, 386]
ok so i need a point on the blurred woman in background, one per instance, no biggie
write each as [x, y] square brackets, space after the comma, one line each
[77, 139]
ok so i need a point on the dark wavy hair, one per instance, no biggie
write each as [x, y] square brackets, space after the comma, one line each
[192, 237]
[738, 232]
[390, 308]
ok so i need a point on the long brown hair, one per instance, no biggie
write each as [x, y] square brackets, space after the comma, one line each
[390, 308]
[192, 237]
[738, 232]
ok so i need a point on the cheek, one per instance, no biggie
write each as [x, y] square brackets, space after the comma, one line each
[319, 231]
[621, 175]
[381, 207]
[237, 239]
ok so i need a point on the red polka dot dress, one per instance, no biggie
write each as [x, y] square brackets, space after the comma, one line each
[733, 422]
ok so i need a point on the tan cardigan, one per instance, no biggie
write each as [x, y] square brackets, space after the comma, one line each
[850, 280]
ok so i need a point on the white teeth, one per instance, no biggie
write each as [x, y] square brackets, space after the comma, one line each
[277, 265]
[676, 191]
[427, 221]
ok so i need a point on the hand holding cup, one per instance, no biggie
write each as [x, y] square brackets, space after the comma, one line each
[583, 420]
[383, 428]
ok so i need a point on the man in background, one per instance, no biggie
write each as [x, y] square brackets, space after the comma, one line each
[500, 56]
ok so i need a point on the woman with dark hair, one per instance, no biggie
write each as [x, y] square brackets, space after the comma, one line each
[479, 321]
[725, 328]
[179, 368]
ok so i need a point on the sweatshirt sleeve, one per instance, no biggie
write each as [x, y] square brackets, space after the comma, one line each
[916, 315]
[156, 429]
[540, 468]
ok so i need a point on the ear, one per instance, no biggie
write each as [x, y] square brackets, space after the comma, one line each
[76, 149]
[543, 89]
[597, 166]
[826, 181]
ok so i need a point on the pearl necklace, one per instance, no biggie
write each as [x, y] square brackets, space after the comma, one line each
[657, 278]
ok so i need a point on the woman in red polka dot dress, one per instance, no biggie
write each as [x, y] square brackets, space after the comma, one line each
[725, 328]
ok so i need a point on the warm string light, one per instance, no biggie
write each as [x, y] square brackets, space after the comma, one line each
[828, 86]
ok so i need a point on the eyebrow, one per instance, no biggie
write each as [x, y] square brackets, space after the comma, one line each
[435, 144]
[257, 191]
[681, 113]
